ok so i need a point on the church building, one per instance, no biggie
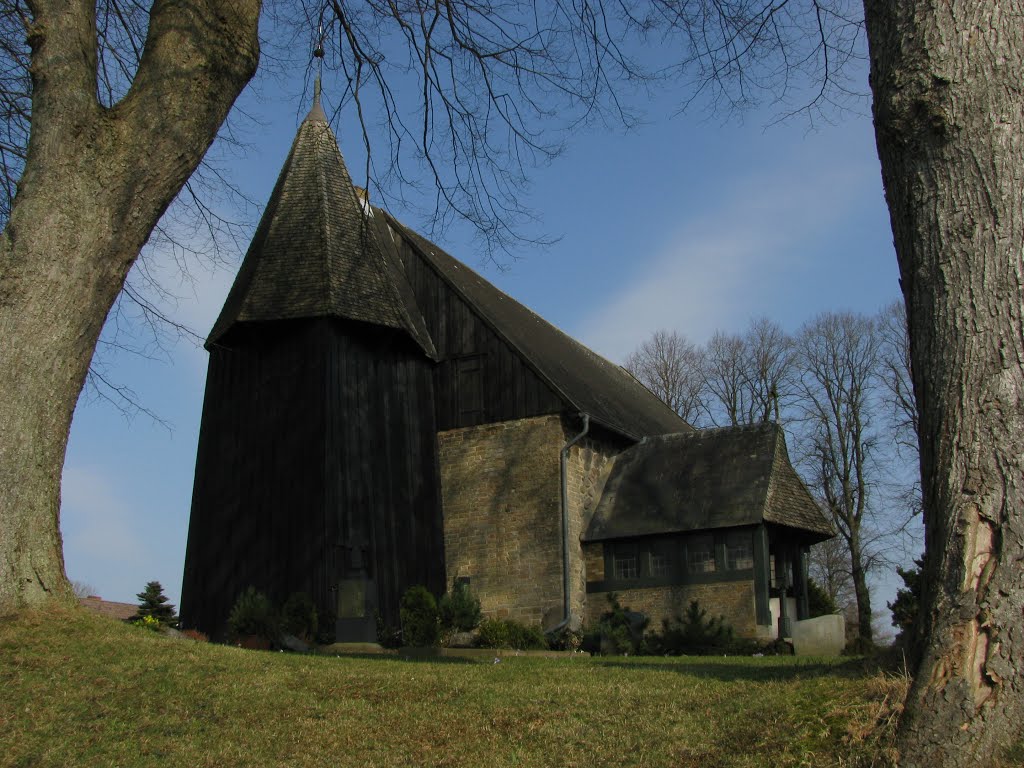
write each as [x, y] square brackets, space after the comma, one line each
[378, 416]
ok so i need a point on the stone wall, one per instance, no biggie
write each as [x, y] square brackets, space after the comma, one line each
[501, 496]
[589, 464]
[732, 599]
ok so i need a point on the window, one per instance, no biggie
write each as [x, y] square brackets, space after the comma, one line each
[469, 384]
[624, 566]
[700, 554]
[739, 551]
[660, 564]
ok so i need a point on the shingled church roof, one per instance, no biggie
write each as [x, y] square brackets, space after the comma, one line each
[314, 255]
[320, 252]
[583, 379]
[712, 478]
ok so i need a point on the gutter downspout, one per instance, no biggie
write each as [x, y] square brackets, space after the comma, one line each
[564, 462]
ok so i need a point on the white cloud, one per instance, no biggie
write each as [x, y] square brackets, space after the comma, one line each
[726, 262]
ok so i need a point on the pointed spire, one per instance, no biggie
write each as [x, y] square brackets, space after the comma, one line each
[316, 114]
[316, 253]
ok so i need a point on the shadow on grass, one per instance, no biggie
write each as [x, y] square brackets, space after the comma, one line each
[391, 657]
[744, 669]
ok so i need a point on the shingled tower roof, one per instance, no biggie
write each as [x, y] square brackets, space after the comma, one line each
[314, 254]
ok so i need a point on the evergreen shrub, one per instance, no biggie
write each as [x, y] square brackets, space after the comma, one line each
[154, 603]
[694, 633]
[619, 632]
[459, 609]
[299, 617]
[418, 610]
[253, 614]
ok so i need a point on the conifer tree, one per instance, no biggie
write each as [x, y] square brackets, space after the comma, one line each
[153, 602]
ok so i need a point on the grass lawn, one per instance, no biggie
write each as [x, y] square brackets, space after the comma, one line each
[83, 690]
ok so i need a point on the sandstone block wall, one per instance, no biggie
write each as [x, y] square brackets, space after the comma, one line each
[501, 497]
[732, 599]
[589, 464]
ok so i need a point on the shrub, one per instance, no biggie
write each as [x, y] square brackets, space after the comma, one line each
[195, 634]
[387, 635]
[905, 610]
[418, 612]
[619, 632]
[325, 633]
[695, 633]
[298, 616]
[153, 602]
[459, 609]
[819, 602]
[147, 622]
[565, 639]
[253, 614]
[506, 633]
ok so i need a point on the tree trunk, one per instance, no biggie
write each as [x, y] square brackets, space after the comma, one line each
[949, 122]
[860, 589]
[96, 182]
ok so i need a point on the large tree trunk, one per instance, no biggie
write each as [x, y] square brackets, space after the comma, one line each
[949, 118]
[860, 590]
[96, 182]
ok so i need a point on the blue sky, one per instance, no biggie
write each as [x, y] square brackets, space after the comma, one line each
[683, 223]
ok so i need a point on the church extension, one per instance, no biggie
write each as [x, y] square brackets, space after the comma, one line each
[378, 416]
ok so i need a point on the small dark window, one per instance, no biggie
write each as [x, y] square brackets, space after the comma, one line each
[700, 554]
[469, 383]
[624, 566]
[739, 551]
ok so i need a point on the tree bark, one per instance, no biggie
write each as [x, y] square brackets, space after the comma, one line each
[949, 120]
[96, 181]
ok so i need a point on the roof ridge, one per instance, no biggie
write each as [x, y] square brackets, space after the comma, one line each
[426, 248]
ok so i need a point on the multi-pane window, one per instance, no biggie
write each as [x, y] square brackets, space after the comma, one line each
[624, 566]
[739, 551]
[659, 564]
[700, 554]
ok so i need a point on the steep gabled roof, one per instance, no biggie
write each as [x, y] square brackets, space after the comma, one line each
[584, 380]
[712, 478]
[314, 254]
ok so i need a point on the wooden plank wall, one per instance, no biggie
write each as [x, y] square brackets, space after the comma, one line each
[511, 390]
[317, 437]
[258, 496]
[381, 458]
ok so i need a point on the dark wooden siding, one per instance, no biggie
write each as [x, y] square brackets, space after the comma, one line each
[316, 463]
[510, 388]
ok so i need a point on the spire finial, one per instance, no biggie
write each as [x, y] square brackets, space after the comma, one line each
[316, 114]
[317, 111]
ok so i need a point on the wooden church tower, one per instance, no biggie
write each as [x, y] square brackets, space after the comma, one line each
[317, 463]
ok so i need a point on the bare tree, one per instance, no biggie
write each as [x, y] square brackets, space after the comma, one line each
[669, 365]
[839, 361]
[829, 566]
[90, 182]
[747, 376]
[726, 380]
[82, 589]
[771, 358]
[897, 375]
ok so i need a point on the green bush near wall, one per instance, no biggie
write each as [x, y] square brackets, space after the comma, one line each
[420, 624]
[506, 633]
